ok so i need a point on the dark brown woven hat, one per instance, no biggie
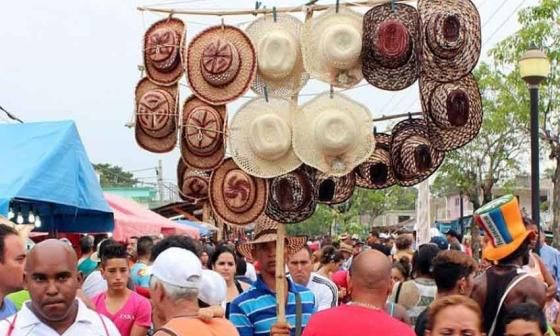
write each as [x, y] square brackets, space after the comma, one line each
[334, 190]
[453, 111]
[391, 45]
[202, 137]
[291, 197]
[451, 40]
[156, 116]
[163, 42]
[193, 184]
[376, 172]
[413, 156]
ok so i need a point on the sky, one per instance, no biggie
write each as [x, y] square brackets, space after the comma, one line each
[78, 60]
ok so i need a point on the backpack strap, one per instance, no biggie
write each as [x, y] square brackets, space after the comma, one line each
[167, 331]
[509, 288]
[399, 287]
[12, 326]
[104, 325]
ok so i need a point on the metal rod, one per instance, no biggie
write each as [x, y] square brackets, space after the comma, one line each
[396, 116]
[535, 185]
[461, 212]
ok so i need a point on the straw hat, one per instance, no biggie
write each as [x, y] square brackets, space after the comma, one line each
[291, 198]
[451, 38]
[163, 43]
[391, 46]
[333, 135]
[453, 111]
[235, 196]
[265, 232]
[331, 44]
[202, 138]
[413, 156]
[156, 116]
[260, 137]
[376, 172]
[220, 64]
[334, 190]
[280, 64]
[193, 184]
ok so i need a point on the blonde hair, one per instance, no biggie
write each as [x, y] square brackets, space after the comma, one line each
[451, 301]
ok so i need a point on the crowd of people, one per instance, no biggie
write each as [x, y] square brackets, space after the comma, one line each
[381, 285]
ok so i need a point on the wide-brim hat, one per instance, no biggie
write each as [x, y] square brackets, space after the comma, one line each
[163, 43]
[193, 184]
[266, 231]
[334, 189]
[333, 134]
[502, 222]
[156, 116]
[376, 172]
[220, 64]
[280, 62]
[453, 111]
[391, 46]
[202, 138]
[451, 40]
[331, 44]
[260, 137]
[291, 197]
[413, 156]
[236, 197]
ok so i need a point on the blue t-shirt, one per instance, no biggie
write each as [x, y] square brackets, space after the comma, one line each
[140, 274]
[8, 309]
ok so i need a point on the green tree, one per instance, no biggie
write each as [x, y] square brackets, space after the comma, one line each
[114, 176]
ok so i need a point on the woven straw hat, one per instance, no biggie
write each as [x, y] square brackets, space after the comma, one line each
[291, 197]
[235, 196]
[391, 46]
[280, 64]
[331, 44]
[220, 64]
[193, 184]
[413, 156]
[453, 111]
[376, 172]
[334, 190]
[333, 135]
[451, 38]
[163, 43]
[266, 231]
[202, 138]
[260, 137]
[156, 116]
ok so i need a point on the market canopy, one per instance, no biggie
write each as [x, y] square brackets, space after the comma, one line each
[132, 219]
[46, 171]
[205, 229]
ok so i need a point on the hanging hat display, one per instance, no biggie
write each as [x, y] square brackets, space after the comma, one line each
[413, 157]
[202, 138]
[451, 40]
[291, 197]
[280, 63]
[235, 196]
[334, 190]
[220, 64]
[193, 184]
[163, 42]
[391, 45]
[156, 116]
[331, 44]
[453, 111]
[260, 137]
[332, 133]
[376, 172]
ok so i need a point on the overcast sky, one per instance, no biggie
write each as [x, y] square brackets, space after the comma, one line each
[77, 59]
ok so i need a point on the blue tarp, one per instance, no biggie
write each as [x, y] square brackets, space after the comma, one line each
[201, 228]
[45, 168]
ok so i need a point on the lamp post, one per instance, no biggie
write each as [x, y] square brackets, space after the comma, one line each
[461, 212]
[534, 68]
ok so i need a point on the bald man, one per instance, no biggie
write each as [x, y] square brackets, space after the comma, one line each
[51, 277]
[370, 284]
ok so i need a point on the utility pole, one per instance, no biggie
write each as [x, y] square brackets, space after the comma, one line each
[159, 173]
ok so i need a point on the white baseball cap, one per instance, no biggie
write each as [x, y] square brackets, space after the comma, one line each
[178, 267]
[213, 288]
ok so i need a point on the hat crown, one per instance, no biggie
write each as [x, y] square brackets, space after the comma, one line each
[162, 48]
[291, 191]
[195, 186]
[393, 42]
[271, 137]
[186, 273]
[278, 54]
[239, 191]
[264, 225]
[334, 132]
[203, 130]
[341, 44]
[154, 109]
[220, 62]
[446, 34]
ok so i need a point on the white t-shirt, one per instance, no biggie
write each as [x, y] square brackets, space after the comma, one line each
[87, 322]
[94, 284]
[251, 272]
[324, 290]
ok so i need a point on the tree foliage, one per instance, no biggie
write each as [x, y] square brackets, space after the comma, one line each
[114, 176]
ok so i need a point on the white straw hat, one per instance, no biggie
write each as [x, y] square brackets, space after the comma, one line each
[260, 137]
[331, 45]
[333, 135]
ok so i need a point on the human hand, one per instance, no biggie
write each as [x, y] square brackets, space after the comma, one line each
[280, 329]
[205, 314]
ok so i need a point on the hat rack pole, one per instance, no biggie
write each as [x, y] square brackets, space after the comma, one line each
[280, 274]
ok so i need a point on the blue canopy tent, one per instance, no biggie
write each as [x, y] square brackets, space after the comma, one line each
[203, 228]
[46, 172]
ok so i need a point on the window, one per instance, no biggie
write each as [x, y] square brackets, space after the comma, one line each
[403, 218]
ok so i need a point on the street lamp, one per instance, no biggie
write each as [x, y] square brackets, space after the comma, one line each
[534, 67]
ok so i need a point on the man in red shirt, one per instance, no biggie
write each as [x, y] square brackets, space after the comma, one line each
[370, 284]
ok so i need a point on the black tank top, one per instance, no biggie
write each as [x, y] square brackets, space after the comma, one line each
[239, 291]
[496, 286]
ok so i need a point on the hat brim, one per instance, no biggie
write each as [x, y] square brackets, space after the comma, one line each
[181, 171]
[292, 245]
[500, 252]
[343, 188]
[218, 95]
[363, 173]
[172, 77]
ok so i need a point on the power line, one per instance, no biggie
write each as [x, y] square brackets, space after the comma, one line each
[11, 116]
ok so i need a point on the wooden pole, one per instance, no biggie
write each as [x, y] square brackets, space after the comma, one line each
[280, 274]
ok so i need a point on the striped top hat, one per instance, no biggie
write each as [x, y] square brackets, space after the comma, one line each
[502, 222]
